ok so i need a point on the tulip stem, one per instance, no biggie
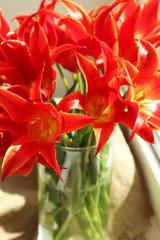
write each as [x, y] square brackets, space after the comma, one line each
[74, 76]
[89, 142]
[66, 140]
[63, 78]
[64, 227]
[80, 82]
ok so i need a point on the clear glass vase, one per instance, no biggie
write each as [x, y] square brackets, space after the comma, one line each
[77, 208]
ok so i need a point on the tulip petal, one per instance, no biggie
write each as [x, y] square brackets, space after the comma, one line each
[110, 62]
[40, 54]
[74, 100]
[78, 13]
[148, 59]
[8, 138]
[106, 30]
[146, 133]
[103, 134]
[42, 161]
[35, 88]
[140, 121]
[18, 108]
[56, 52]
[77, 30]
[16, 157]
[26, 169]
[127, 46]
[148, 18]
[16, 55]
[90, 72]
[6, 124]
[73, 121]
[4, 25]
[49, 154]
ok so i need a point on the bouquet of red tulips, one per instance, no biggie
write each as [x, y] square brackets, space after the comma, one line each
[112, 55]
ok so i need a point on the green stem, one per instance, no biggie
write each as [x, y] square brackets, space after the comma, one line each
[63, 78]
[98, 221]
[66, 140]
[53, 102]
[91, 223]
[89, 142]
[74, 76]
[80, 82]
[64, 227]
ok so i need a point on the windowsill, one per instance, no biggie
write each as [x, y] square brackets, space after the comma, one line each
[150, 169]
[147, 161]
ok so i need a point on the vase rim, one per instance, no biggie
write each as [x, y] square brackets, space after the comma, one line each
[74, 149]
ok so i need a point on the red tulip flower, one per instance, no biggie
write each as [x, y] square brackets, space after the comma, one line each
[140, 21]
[101, 100]
[37, 126]
[21, 64]
[143, 96]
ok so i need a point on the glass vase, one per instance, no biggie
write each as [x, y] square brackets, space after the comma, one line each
[76, 209]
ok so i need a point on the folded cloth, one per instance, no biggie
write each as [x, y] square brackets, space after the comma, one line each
[130, 211]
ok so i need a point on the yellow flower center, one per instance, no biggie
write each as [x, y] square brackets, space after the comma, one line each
[43, 128]
[146, 105]
[97, 107]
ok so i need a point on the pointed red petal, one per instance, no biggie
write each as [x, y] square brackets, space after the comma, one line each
[26, 169]
[74, 100]
[40, 54]
[78, 13]
[103, 134]
[146, 133]
[7, 140]
[49, 154]
[4, 25]
[35, 88]
[26, 25]
[89, 70]
[58, 51]
[15, 53]
[73, 121]
[148, 59]
[127, 8]
[6, 124]
[106, 30]
[42, 161]
[18, 108]
[16, 157]
[148, 18]
[127, 46]
[110, 62]
[77, 30]
[140, 121]
[20, 91]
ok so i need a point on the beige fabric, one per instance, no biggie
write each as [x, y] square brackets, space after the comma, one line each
[130, 210]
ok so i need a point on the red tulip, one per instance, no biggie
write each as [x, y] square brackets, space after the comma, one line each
[101, 100]
[21, 63]
[37, 126]
[140, 22]
[143, 97]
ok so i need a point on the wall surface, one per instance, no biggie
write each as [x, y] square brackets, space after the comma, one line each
[12, 8]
